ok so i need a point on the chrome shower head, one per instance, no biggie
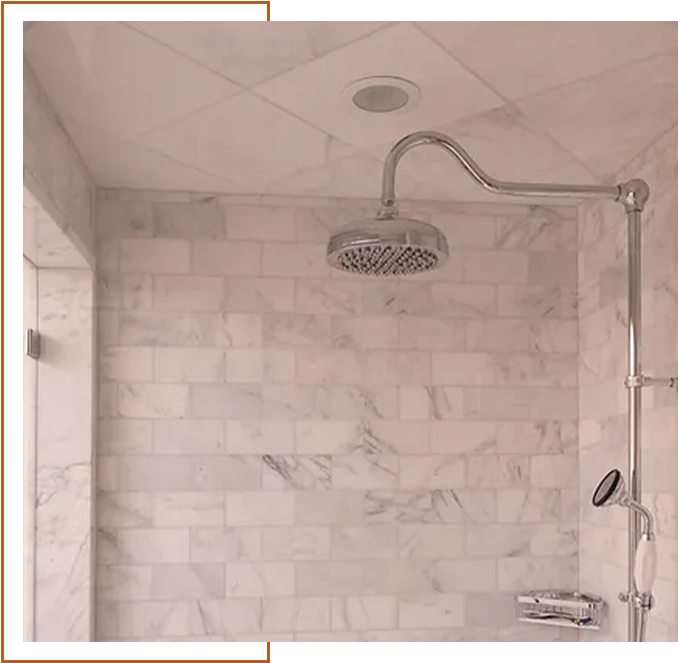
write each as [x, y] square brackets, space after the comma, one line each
[387, 246]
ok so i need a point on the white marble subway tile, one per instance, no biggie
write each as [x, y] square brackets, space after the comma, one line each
[362, 402]
[363, 613]
[120, 437]
[553, 471]
[292, 330]
[365, 542]
[152, 401]
[396, 298]
[124, 509]
[464, 575]
[555, 540]
[211, 258]
[389, 437]
[491, 335]
[327, 437]
[259, 508]
[495, 266]
[520, 403]
[396, 368]
[265, 437]
[320, 296]
[224, 544]
[432, 471]
[155, 256]
[347, 578]
[389, 506]
[188, 365]
[264, 637]
[553, 336]
[150, 620]
[431, 334]
[659, 468]
[524, 573]
[108, 255]
[148, 546]
[200, 509]
[108, 401]
[188, 293]
[331, 636]
[176, 473]
[258, 295]
[489, 609]
[329, 507]
[187, 581]
[431, 610]
[116, 218]
[166, 328]
[459, 368]
[463, 437]
[430, 403]
[365, 332]
[431, 541]
[228, 401]
[542, 230]
[296, 472]
[107, 472]
[466, 231]
[536, 437]
[529, 505]
[536, 370]
[303, 261]
[278, 366]
[191, 220]
[364, 472]
[245, 365]
[240, 472]
[537, 301]
[126, 364]
[298, 615]
[239, 330]
[553, 268]
[498, 540]
[498, 471]
[315, 224]
[225, 617]
[467, 300]
[295, 543]
[123, 583]
[292, 402]
[323, 366]
[125, 291]
[270, 224]
[250, 579]
[188, 437]
[108, 328]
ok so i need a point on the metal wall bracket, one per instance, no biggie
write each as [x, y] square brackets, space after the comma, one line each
[634, 381]
[32, 343]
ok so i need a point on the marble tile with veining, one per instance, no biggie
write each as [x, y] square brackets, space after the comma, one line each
[365, 332]
[464, 300]
[432, 471]
[226, 258]
[362, 613]
[258, 295]
[166, 328]
[322, 366]
[372, 541]
[364, 472]
[330, 507]
[224, 544]
[464, 575]
[295, 543]
[291, 330]
[431, 610]
[324, 296]
[187, 581]
[302, 614]
[529, 505]
[245, 579]
[120, 437]
[195, 220]
[297, 472]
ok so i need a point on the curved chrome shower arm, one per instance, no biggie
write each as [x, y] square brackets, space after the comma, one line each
[646, 515]
[454, 149]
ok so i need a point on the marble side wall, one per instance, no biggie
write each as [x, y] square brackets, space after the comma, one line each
[602, 395]
[288, 453]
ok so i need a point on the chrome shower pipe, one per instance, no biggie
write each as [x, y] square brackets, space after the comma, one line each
[633, 195]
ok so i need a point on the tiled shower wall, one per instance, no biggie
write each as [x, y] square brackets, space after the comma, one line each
[602, 402]
[290, 453]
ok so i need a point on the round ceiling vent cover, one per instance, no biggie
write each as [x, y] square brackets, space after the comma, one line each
[382, 94]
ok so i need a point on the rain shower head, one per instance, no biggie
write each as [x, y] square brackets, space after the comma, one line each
[387, 246]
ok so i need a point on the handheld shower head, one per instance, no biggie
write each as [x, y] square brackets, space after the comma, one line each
[387, 246]
[612, 491]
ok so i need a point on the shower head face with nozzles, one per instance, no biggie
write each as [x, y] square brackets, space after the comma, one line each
[611, 490]
[387, 247]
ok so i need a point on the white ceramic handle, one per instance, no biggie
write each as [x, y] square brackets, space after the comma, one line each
[646, 565]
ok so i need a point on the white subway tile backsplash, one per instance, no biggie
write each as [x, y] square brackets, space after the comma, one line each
[154, 256]
[245, 579]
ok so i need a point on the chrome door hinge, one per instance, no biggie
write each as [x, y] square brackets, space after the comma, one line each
[33, 343]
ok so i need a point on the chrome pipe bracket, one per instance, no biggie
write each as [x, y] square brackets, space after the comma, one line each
[634, 194]
[635, 381]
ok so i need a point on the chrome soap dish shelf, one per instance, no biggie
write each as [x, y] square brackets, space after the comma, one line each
[561, 608]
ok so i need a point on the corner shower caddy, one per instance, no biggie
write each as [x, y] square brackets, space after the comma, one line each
[561, 608]
[633, 195]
